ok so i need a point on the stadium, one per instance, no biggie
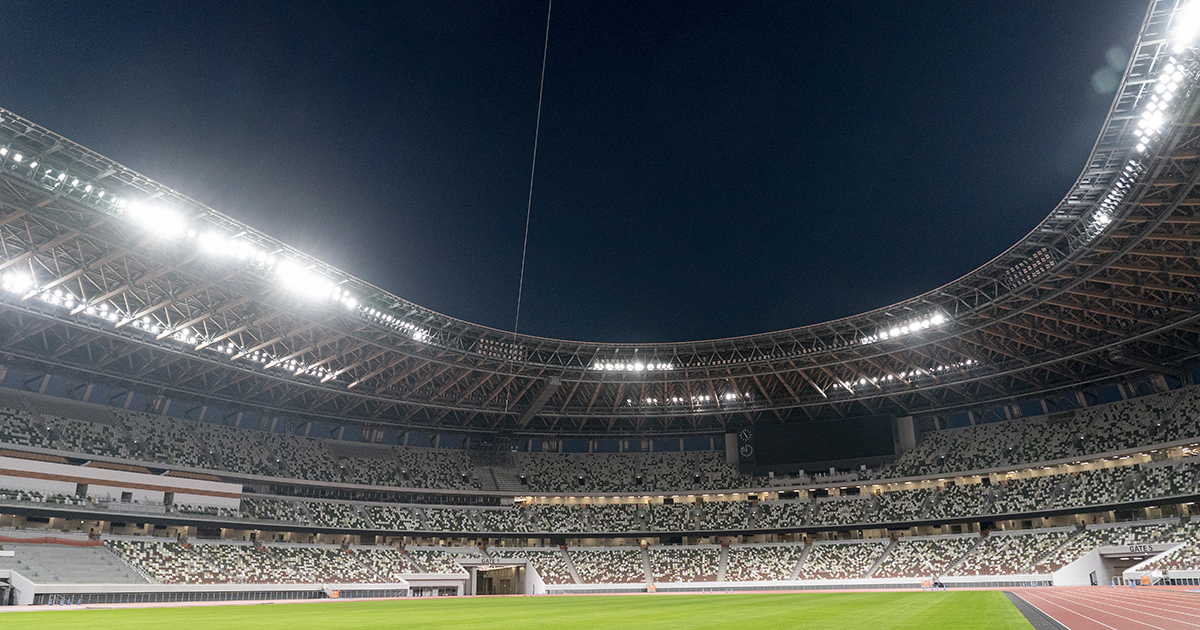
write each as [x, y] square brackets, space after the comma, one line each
[192, 411]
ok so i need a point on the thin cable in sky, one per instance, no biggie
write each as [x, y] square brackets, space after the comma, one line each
[533, 168]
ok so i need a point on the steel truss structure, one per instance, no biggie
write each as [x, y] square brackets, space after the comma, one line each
[1105, 287]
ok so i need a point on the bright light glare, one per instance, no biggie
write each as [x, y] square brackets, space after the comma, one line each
[1187, 25]
[17, 282]
[302, 281]
[156, 219]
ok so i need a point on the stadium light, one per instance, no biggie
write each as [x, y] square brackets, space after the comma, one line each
[908, 327]
[632, 366]
[17, 282]
[1187, 26]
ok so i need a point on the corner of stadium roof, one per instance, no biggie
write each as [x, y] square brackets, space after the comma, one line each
[107, 274]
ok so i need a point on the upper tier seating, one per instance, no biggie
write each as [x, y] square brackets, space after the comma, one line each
[394, 517]
[451, 520]
[902, 505]
[511, 519]
[18, 427]
[559, 518]
[779, 514]
[723, 515]
[207, 510]
[32, 496]
[271, 509]
[616, 517]
[1138, 422]
[88, 430]
[959, 501]
[619, 472]
[675, 517]
[340, 515]
[839, 511]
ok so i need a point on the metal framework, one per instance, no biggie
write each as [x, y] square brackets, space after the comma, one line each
[96, 288]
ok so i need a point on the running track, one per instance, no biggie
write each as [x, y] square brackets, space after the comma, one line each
[1122, 608]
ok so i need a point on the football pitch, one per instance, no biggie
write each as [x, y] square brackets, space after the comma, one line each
[963, 610]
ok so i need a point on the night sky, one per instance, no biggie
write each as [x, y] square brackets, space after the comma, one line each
[705, 169]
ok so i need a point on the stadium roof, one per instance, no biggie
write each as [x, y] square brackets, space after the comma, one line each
[109, 275]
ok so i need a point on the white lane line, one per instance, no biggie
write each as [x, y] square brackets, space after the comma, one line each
[1160, 605]
[1107, 612]
[1073, 612]
[1026, 600]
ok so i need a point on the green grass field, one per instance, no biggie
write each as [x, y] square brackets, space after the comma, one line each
[964, 610]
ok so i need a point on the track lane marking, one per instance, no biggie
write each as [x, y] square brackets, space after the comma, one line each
[1146, 602]
[1035, 606]
[1100, 610]
[1070, 612]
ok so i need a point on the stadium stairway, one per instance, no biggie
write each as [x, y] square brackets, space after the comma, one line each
[63, 564]
[365, 515]
[927, 505]
[421, 517]
[1053, 550]
[949, 570]
[646, 567]
[804, 553]
[571, 566]
[413, 561]
[722, 563]
[883, 556]
[486, 479]
[507, 479]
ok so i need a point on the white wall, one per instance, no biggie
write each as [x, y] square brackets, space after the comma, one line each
[27, 474]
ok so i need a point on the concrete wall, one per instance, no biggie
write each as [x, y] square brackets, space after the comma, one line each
[49, 477]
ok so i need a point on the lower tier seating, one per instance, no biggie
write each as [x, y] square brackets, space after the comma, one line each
[753, 563]
[921, 557]
[841, 560]
[615, 565]
[684, 564]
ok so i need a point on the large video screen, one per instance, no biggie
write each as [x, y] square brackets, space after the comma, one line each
[824, 441]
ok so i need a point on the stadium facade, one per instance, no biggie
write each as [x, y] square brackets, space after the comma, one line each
[237, 419]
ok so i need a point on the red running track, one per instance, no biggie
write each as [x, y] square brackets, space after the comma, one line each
[1121, 608]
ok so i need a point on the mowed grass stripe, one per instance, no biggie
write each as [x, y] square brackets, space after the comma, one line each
[965, 610]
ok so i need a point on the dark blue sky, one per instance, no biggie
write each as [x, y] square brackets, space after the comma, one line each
[705, 169]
